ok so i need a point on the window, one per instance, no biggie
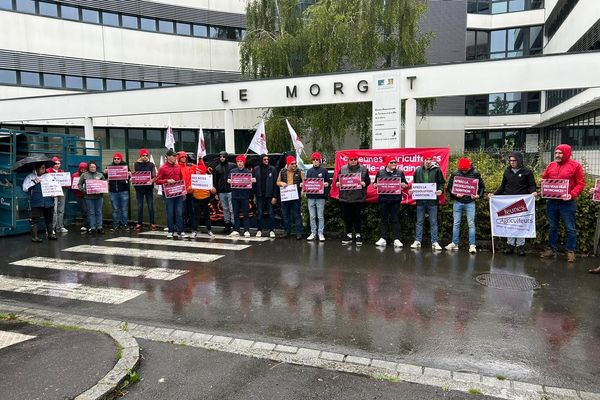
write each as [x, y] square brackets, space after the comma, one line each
[133, 85]
[129, 21]
[68, 12]
[27, 6]
[499, 7]
[52, 80]
[502, 104]
[73, 82]
[150, 84]
[494, 139]
[478, 45]
[135, 138]
[183, 29]
[200, 30]
[48, 9]
[504, 43]
[223, 32]
[8, 77]
[92, 16]
[114, 84]
[154, 139]
[502, 6]
[189, 140]
[110, 19]
[5, 4]
[476, 105]
[116, 138]
[166, 26]
[94, 84]
[148, 24]
[30, 78]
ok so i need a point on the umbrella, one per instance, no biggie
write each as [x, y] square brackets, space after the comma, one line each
[30, 163]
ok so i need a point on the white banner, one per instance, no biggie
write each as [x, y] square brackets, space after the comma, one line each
[202, 182]
[50, 187]
[63, 178]
[289, 193]
[513, 216]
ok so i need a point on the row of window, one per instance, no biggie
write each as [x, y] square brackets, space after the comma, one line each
[495, 139]
[72, 82]
[503, 104]
[502, 6]
[556, 97]
[109, 18]
[580, 131]
[504, 43]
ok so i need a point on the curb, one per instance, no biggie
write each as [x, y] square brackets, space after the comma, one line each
[129, 347]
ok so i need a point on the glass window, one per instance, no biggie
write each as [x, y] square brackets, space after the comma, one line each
[27, 6]
[94, 84]
[116, 138]
[135, 138]
[6, 4]
[92, 16]
[68, 12]
[201, 30]
[499, 7]
[150, 84]
[535, 37]
[74, 82]
[166, 26]
[8, 76]
[471, 45]
[109, 18]
[515, 39]
[516, 5]
[133, 85]
[114, 84]
[52, 80]
[48, 9]
[495, 139]
[166, 84]
[498, 41]
[242, 140]
[483, 45]
[30, 78]
[183, 29]
[148, 24]
[154, 139]
[130, 21]
[189, 140]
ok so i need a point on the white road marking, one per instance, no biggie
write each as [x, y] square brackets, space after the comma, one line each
[180, 243]
[75, 291]
[148, 272]
[10, 338]
[156, 254]
[219, 237]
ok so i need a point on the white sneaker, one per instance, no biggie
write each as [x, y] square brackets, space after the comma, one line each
[193, 235]
[272, 235]
[246, 234]
[258, 233]
[83, 229]
[381, 242]
[170, 235]
[166, 229]
[183, 236]
[321, 237]
[234, 233]
[436, 246]
[64, 230]
[311, 236]
[452, 246]
[211, 234]
[416, 245]
[472, 249]
[398, 243]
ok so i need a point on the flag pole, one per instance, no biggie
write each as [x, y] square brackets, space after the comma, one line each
[492, 227]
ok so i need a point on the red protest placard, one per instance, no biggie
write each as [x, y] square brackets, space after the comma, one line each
[174, 189]
[350, 181]
[75, 184]
[313, 185]
[554, 188]
[596, 196]
[389, 185]
[118, 172]
[141, 178]
[465, 186]
[96, 186]
[241, 180]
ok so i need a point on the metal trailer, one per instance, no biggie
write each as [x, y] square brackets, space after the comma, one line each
[15, 145]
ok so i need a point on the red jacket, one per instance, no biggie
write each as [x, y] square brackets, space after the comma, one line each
[567, 169]
[168, 171]
[186, 170]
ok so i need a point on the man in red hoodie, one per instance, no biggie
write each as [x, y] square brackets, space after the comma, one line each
[563, 167]
[189, 216]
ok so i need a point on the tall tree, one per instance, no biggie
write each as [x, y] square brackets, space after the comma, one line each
[329, 36]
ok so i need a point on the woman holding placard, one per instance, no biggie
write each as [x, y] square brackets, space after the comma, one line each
[41, 206]
[94, 193]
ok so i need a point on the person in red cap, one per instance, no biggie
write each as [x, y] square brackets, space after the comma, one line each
[389, 203]
[119, 194]
[146, 191]
[316, 201]
[563, 167]
[170, 173]
[352, 200]
[291, 175]
[59, 201]
[79, 196]
[265, 194]
[464, 203]
[240, 198]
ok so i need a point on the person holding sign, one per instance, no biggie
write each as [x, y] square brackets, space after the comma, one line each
[59, 204]
[352, 180]
[389, 183]
[265, 193]
[517, 179]
[170, 173]
[317, 179]
[241, 181]
[93, 199]
[143, 182]
[290, 204]
[201, 196]
[428, 173]
[564, 207]
[41, 206]
[118, 186]
[79, 195]
[464, 187]
[221, 176]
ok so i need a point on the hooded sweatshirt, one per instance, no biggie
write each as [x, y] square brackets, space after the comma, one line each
[186, 170]
[470, 173]
[518, 181]
[567, 169]
[82, 170]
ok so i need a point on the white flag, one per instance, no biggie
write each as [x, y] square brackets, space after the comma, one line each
[295, 139]
[201, 152]
[159, 187]
[169, 138]
[513, 216]
[301, 166]
[259, 141]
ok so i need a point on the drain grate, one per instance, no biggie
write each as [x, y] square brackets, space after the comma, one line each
[507, 281]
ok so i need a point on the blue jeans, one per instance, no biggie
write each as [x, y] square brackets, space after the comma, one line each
[511, 241]
[119, 201]
[227, 206]
[240, 205]
[140, 206]
[565, 210]
[432, 210]
[291, 209]
[94, 209]
[174, 207]
[316, 208]
[262, 204]
[469, 209]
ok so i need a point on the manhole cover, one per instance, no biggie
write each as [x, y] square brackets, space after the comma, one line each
[507, 281]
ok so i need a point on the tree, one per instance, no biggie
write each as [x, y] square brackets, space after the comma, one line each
[329, 36]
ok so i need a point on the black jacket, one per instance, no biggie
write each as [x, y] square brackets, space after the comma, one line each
[434, 175]
[271, 181]
[471, 173]
[357, 195]
[520, 182]
[318, 172]
[384, 173]
[147, 166]
[221, 175]
[118, 186]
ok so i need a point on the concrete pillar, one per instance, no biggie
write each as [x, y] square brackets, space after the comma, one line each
[88, 130]
[410, 123]
[229, 132]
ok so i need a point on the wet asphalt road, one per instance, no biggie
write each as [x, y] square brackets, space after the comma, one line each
[410, 306]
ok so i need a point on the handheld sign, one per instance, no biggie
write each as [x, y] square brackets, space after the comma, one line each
[96, 186]
[75, 184]
[288, 193]
[597, 191]
[314, 186]
[141, 178]
[350, 181]
[50, 188]
[424, 191]
[554, 188]
[175, 189]
[389, 185]
[465, 186]
[118, 172]
[241, 180]
[63, 178]
[203, 182]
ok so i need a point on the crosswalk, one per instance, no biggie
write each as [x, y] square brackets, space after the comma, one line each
[206, 236]
[139, 257]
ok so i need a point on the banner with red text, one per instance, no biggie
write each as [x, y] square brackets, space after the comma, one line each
[408, 160]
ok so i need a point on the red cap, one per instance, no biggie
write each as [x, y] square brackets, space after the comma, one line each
[82, 165]
[117, 154]
[55, 159]
[464, 164]
[289, 160]
[352, 154]
[144, 152]
[240, 158]
[387, 160]
[316, 156]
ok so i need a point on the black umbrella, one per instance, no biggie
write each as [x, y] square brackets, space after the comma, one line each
[32, 162]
